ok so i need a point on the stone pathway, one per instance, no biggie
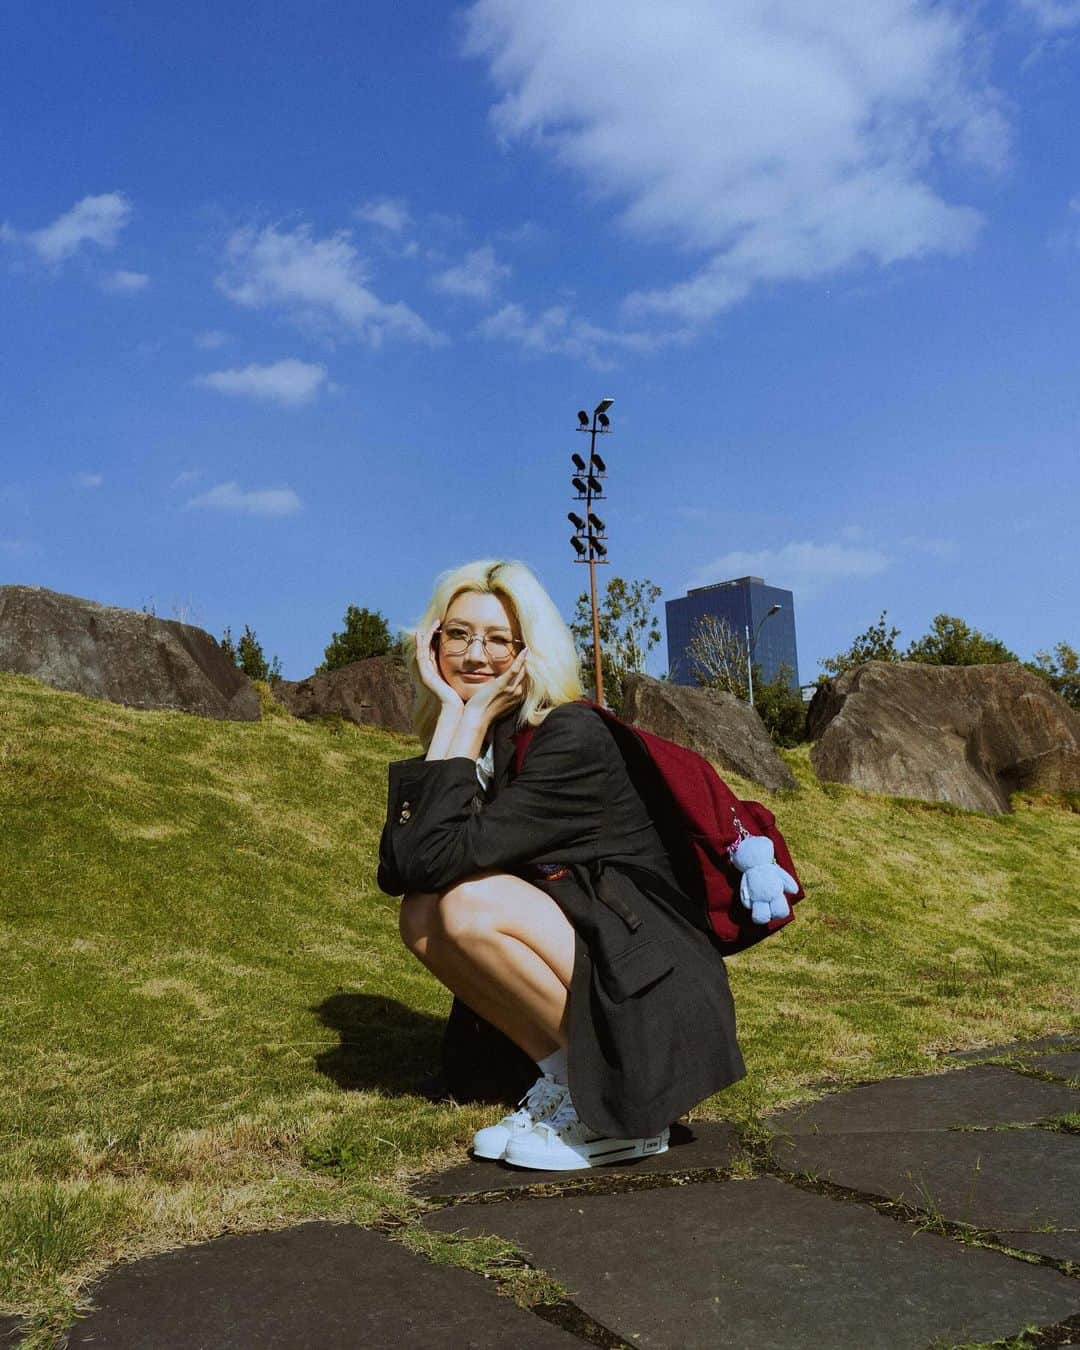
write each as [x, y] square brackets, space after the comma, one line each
[854, 1230]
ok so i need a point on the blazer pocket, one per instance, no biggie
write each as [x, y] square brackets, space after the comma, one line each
[636, 969]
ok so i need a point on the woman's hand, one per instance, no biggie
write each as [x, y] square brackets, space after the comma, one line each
[501, 694]
[429, 670]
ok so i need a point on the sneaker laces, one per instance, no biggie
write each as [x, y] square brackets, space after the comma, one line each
[563, 1116]
[543, 1094]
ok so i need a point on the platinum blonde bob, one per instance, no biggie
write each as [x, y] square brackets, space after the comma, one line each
[553, 667]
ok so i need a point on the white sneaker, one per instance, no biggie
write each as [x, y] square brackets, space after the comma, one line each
[564, 1143]
[542, 1100]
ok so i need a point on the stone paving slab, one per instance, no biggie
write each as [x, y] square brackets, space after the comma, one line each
[1066, 1065]
[703, 1145]
[986, 1095]
[992, 1179]
[763, 1264]
[315, 1287]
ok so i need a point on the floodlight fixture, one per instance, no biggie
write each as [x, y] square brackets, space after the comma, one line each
[595, 522]
[602, 406]
[595, 486]
[578, 484]
[575, 520]
[774, 610]
[598, 548]
[604, 420]
[579, 547]
[583, 418]
[578, 462]
[598, 462]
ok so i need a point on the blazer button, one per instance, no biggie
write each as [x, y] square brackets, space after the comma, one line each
[405, 815]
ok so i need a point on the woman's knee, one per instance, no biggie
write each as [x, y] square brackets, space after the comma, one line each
[470, 910]
[418, 919]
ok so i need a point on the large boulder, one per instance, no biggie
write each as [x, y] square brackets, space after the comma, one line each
[719, 726]
[120, 654]
[969, 735]
[373, 692]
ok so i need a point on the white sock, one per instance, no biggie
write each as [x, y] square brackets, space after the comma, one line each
[555, 1065]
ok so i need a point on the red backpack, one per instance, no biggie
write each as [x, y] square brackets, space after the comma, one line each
[699, 820]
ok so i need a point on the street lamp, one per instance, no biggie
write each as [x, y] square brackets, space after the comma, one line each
[775, 609]
[589, 533]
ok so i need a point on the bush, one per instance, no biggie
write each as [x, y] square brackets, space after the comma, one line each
[248, 655]
[366, 633]
[781, 708]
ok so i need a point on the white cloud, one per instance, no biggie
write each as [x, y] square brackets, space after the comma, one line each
[477, 277]
[186, 476]
[783, 141]
[389, 213]
[805, 568]
[320, 283]
[1053, 15]
[89, 480]
[93, 220]
[558, 330]
[210, 340]
[289, 382]
[281, 501]
[124, 282]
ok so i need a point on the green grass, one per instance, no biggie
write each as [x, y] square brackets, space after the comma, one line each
[209, 1024]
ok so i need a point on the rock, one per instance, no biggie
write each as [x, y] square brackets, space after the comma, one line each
[716, 725]
[969, 735]
[120, 654]
[373, 692]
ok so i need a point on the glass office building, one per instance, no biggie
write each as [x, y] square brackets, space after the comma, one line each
[744, 603]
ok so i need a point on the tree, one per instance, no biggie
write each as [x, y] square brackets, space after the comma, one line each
[952, 642]
[248, 655]
[1061, 670]
[366, 633]
[876, 643]
[629, 630]
[781, 707]
[718, 656]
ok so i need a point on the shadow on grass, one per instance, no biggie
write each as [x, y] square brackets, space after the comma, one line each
[391, 1048]
[384, 1044]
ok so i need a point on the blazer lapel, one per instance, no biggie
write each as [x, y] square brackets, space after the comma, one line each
[503, 740]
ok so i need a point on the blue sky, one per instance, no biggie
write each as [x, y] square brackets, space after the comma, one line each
[301, 300]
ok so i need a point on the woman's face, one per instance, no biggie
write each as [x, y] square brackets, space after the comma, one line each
[475, 615]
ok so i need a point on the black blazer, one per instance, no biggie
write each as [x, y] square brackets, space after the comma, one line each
[651, 1022]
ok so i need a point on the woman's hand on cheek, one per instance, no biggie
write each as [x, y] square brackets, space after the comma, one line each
[428, 667]
[502, 694]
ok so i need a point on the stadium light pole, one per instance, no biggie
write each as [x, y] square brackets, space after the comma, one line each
[589, 533]
[750, 649]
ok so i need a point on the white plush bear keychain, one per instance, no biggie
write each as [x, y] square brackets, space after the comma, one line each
[764, 882]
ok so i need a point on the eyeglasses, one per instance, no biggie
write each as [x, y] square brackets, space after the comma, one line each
[455, 641]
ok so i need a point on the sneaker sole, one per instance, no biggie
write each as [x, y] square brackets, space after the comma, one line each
[488, 1154]
[614, 1150]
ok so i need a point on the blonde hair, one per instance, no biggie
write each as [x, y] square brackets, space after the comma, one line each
[554, 675]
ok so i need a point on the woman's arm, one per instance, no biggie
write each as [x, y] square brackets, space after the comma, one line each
[551, 812]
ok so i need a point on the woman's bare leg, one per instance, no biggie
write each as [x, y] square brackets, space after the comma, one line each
[505, 948]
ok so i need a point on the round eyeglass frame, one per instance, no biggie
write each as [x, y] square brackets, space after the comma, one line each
[514, 643]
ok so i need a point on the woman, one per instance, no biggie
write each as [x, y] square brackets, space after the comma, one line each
[545, 900]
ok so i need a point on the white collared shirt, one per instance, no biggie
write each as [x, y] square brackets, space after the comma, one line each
[485, 765]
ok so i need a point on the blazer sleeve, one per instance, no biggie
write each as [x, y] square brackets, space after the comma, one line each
[551, 812]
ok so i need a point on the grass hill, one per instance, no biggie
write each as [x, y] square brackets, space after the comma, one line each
[209, 1024]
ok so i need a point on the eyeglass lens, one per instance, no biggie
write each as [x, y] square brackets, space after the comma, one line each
[456, 642]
